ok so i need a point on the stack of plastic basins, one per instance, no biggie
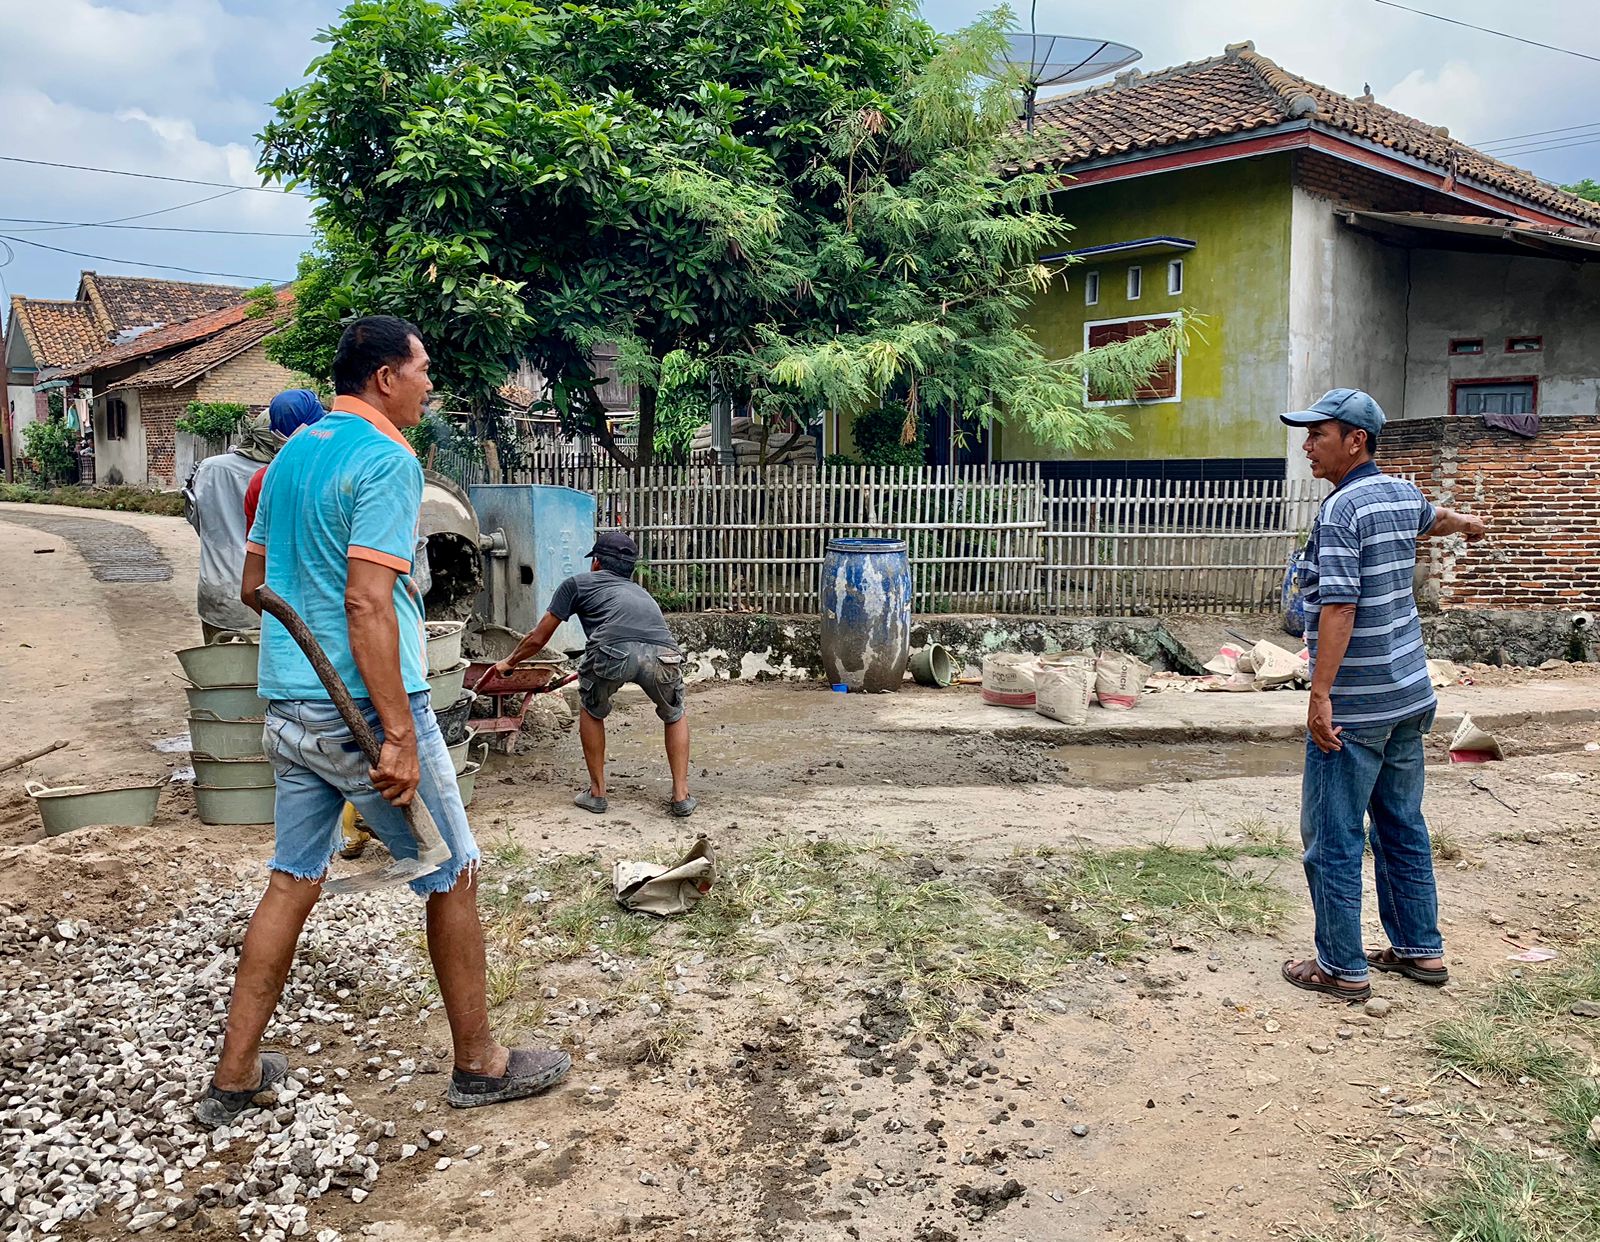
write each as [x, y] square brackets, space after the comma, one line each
[233, 777]
[451, 700]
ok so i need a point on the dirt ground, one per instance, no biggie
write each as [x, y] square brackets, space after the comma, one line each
[1177, 1090]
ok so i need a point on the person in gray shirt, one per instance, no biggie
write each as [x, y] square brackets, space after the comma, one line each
[628, 641]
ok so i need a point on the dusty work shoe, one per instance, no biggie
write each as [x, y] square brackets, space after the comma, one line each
[591, 802]
[684, 807]
[528, 1072]
[220, 1108]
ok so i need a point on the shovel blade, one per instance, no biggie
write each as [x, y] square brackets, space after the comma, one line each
[399, 871]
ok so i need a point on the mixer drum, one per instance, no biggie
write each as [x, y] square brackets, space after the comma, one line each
[450, 526]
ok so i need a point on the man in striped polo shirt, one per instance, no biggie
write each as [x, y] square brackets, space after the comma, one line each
[1371, 703]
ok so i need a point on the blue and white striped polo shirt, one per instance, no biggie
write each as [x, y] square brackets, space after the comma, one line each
[1363, 550]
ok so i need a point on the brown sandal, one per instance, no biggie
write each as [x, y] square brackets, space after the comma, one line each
[1389, 961]
[1309, 978]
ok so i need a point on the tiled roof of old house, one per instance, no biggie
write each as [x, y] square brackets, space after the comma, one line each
[189, 364]
[1242, 91]
[121, 303]
[171, 336]
[57, 333]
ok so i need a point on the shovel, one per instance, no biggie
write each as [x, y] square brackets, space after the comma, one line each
[432, 852]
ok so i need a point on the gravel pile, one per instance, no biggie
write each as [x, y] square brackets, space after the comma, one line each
[107, 1039]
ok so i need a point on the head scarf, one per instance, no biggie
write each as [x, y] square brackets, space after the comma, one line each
[296, 408]
[257, 440]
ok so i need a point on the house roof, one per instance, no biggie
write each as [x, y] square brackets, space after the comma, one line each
[1242, 91]
[57, 333]
[187, 365]
[121, 303]
[1495, 233]
[171, 336]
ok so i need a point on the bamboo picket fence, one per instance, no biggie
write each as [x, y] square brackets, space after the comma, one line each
[981, 539]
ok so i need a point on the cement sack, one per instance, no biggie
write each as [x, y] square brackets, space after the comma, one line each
[1064, 688]
[650, 888]
[1225, 662]
[1272, 666]
[1119, 679]
[1008, 679]
[1474, 745]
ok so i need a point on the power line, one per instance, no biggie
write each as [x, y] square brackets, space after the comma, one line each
[143, 215]
[1439, 17]
[1540, 150]
[167, 267]
[142, 228]
[1538, 133]
[123, 172]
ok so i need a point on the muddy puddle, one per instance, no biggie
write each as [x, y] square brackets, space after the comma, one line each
[1125, 766]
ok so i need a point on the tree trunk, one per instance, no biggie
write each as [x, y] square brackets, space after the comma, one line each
[647, 425]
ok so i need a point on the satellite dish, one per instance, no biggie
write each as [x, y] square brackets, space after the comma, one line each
[1058, 60]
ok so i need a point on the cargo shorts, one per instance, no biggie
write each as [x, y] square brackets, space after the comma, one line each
[655, 669]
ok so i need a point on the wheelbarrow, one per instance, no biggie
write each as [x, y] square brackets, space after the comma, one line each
[528, 679]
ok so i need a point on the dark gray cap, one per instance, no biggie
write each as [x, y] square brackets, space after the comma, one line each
[617, 544]
[1342, 405]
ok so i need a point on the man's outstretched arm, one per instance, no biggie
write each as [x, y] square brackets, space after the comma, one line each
[1449, 522]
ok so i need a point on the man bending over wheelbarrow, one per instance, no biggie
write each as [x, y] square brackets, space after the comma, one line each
[628, 641]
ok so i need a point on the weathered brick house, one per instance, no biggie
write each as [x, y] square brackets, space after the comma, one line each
[47, 342]
[143, 387]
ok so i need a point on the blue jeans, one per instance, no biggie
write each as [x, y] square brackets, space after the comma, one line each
[1377, 774]
[318, 767]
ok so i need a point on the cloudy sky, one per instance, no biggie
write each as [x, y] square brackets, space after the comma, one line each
[179, 88]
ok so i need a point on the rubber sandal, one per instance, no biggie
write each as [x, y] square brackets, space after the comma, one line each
[684, 807]
[589, 802]
[1349, 995]
[219, 1108]
[1390, 962]
[528, 1072]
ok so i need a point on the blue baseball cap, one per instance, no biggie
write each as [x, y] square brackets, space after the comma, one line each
[1343, 405]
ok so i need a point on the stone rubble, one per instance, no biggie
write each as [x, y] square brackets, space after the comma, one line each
[107, 1038]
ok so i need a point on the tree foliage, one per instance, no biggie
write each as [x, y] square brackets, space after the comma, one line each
[51, 446]
[1588, 188]
[827, 203]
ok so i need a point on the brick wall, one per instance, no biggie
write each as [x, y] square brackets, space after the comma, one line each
[159, 412]
[1539, 497]
[1366, 189]
[249, 379]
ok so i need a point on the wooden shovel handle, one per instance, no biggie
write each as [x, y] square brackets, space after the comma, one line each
[276, 606]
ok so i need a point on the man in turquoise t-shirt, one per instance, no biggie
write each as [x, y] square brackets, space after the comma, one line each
[334, 535]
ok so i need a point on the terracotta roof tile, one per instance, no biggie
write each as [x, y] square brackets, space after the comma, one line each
[124, 302]
[171, 336]
[1242, 91]
[188, 364]
[57, 333]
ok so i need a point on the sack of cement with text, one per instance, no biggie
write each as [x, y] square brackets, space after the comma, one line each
[1119, 679]
[1064, 687]
[1008, 679]
[650, 888]
[1472, 744]
[1272, 667]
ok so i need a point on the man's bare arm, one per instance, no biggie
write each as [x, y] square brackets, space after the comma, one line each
[255, 573]
[375, 644]
[536, 641]
[1334, 625]
[1449, 522]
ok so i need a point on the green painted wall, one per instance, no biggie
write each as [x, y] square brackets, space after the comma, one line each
[1237, 277]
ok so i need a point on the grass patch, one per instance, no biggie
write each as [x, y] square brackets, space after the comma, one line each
[1446, 846]
[1522, 1034]
[1114, 896]
[1503, 1196]
[123, 498]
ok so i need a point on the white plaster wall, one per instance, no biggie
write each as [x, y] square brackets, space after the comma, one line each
[125, 457]
[1347, 316]
[1495, 296]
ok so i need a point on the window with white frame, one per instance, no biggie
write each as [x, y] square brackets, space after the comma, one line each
[1175, 277]
[1091, 288]
[1135, 283]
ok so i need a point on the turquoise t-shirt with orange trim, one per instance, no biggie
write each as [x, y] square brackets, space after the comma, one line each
[347, 487]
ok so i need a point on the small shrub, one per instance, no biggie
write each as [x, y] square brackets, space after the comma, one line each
[52, 448]
[213, 420]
